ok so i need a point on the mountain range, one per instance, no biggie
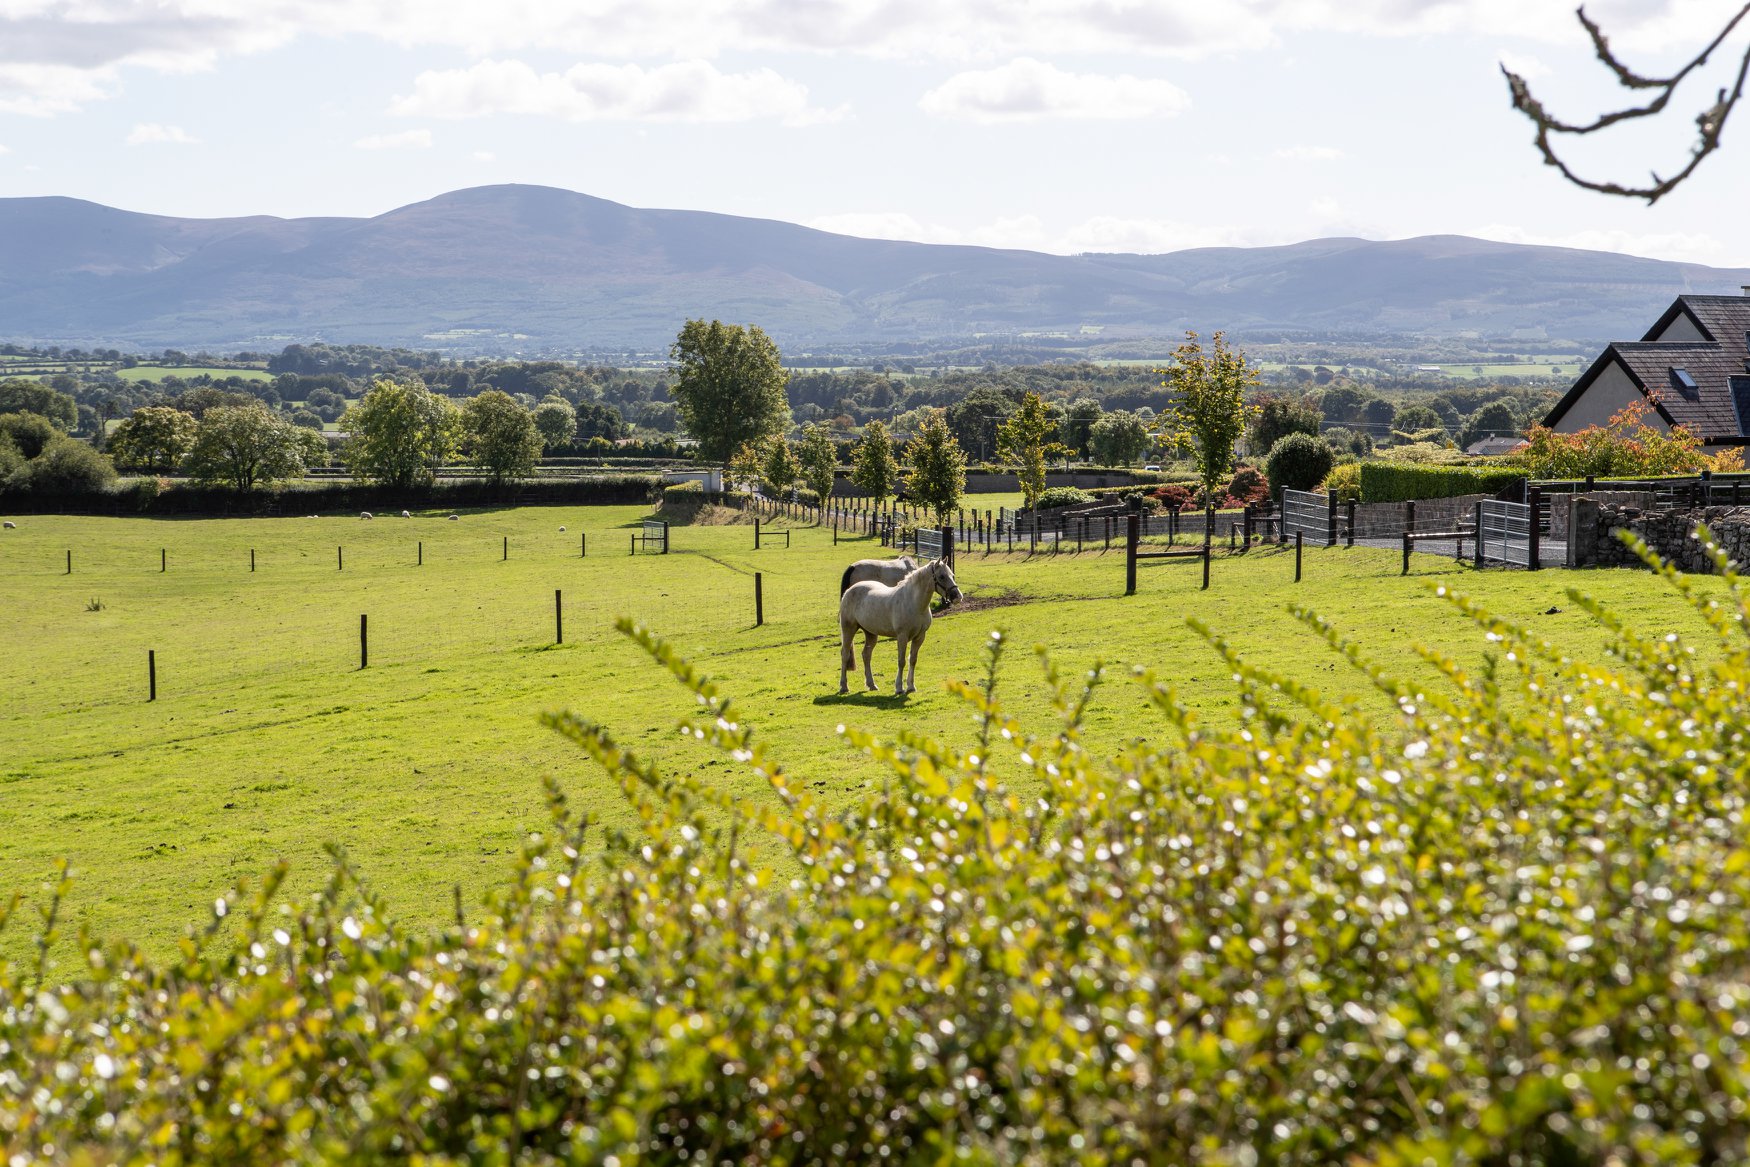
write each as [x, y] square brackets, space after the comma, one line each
[537, 268]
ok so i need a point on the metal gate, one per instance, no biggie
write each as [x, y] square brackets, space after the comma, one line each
[1505, 536]
[929, 542]
[1307, 514]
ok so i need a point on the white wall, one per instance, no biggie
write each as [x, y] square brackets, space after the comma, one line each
[1612, 390]
[1682, 328]
[708, 480]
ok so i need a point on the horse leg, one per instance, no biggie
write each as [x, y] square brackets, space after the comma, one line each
[911, 680]
[868, 653]
[899, 689]
[847, 654]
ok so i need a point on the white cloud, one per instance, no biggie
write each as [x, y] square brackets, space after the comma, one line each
[44, 90]
[406, 140]
[685, 91]
[1527, 66]
[151, 133]
[1309, 154]
[1027, 90]
[484, 156]
[4, 150]
[1686, 247]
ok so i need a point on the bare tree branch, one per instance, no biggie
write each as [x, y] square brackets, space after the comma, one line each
[1710, 122]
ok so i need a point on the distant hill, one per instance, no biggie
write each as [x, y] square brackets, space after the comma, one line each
[535, 267]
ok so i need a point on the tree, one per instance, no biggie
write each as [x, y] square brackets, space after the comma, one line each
[780, 468]
[155, 437]
[1119, 439]
[1415, 418]
[66, 466]
[820, 460]
[600, 421]
[729, 386]
[976, 417]
[1208, 412]
[873, 467]
[28, 432]
[938, 466]
[500, 435]
[556, 422]
[1278, 416]
[245, 446]
[326, 404]
[401, 432]
[1026, 439]
[1079, 420]
[1298, 462]
[35, 397]
[1709, 123]
[745, 466]
[1494, 420]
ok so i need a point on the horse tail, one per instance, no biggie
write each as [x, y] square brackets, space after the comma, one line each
[845, 580]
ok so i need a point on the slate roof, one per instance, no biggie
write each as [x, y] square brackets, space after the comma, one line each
[1710, 411]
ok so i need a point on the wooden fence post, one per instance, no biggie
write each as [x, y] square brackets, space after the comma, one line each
[759, 601]
[665, 536]
[756, 535]
[506, 558]
[1330, 518]
[252, 559]
[948, 544]
[69, 561]
[1206, 566]
[1477, 551]
[583, 545]
[364, 643]
[1297, 541]
[1131, 537]
[151, 675]
[1350, 540]
[163, 561]
[1535, 497]
[339, 559]
[558, 617]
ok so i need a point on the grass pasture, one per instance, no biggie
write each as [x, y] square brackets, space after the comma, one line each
[268, 740]
[159, 372]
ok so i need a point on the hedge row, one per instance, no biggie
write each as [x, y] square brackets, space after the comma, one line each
[1399, 482]
[148, 496]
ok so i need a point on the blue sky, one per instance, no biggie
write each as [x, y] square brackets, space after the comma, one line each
[1063, 125]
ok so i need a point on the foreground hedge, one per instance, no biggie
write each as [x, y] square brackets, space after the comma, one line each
[1401, 482]
[1463, 936]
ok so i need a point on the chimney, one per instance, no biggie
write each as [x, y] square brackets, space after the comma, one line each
[1746, 288]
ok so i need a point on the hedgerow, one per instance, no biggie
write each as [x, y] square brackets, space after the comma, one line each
[1506, 925]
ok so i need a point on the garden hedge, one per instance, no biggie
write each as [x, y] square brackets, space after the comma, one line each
[1403, 482]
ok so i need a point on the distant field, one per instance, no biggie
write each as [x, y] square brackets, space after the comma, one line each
[159, 372]
[268, 740]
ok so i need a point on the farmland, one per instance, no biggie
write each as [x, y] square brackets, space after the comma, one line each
[268, 740]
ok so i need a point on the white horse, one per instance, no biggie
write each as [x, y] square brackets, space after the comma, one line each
[901, 611]
[887, 571]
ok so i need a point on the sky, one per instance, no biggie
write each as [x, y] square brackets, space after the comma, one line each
[1056, 125]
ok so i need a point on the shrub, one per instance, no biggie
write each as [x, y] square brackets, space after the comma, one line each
[1625, 446]
[1248, 487]
[1174, 495]
[1063, 496]
[1298, 462]
[29, 433]
[66, 466]
[1394, 482]
[1501, 923]
[1345, 480]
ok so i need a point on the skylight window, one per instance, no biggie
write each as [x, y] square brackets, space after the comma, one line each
[1683, 381]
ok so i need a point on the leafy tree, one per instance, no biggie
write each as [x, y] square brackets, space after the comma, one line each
[1078, 424]
[202, 398]
[780, 467]
[873, 467]
[326, 403]
[401, 432]
[28, 432]
[1208, 412]
[938, 466]
[35, 397]
[1119, 439]
[556, 422]
[306, 419]
[820, 460]
[1277, 417]
[1298, 462]
[11, 461]
[155, 437]
[1026, 438]
[1496, 419]
[1416, 418]
[595, 420]
[1348, 441]
[1343, 404]
[501, 435]
[975, 419]
[65, 465]
[746, 466]
[245, 446]
[729, 386]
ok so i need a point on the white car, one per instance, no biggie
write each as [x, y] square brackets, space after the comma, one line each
[1151, 467]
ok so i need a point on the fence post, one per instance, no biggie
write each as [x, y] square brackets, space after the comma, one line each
[69, 561]
[1246, 525]
[163, 561]
[1409, 516]
[665, 536]
[252, 559]
[1297, 541]
[1131, 537]
[558, 618]
[1206, 567]
[421, 560]
[948, 544]
[151, 674]
[1477, 551]
[756, 534]
[759, 601]
[1351, 536]
[364, 643]
[1330, 518]
[506, 548]
[583, 545]
[339, 559]
[835, 532]
[1535, 497]
[1406, 538]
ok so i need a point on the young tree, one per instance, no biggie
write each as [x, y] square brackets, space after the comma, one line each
[1208, 412]
[874, 469]
[820, 460]
[1079, 420]
[938, 466]
[401, 432]
[780, 467]
[501, 435]
[245, 446]
[746, 466]
[556, 422]
[1119, 438]
[155, 437]
[1027, 440]
[729, 386]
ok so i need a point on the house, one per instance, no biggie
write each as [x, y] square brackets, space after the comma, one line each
[1490, 447]
[1692, 366]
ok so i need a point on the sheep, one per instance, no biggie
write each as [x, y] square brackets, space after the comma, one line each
[11, 526]
[453, 518]
[407, 514]
[365, 514]
[562, 530]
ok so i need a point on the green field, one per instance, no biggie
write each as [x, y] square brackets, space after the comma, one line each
[159, 372]
[268, 740]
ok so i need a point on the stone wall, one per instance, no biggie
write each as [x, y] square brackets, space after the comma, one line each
[1667, 531]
